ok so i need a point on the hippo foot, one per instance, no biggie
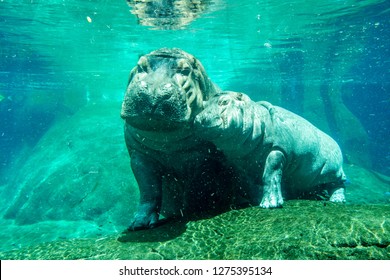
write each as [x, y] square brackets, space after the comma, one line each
[145, 218]
[271, 201]
[272, 178]
[338, 196]
[144, 222]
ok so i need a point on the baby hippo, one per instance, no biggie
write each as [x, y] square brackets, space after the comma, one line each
[272, 147]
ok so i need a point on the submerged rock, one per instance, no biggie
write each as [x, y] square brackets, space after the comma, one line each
[301, 230]
[78, 171]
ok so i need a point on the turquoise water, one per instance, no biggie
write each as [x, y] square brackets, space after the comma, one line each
[64, 67]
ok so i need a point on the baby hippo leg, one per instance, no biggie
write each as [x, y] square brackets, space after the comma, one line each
[272, 178]
[338, 194]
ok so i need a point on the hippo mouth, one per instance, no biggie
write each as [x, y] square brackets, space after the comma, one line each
[154, 123]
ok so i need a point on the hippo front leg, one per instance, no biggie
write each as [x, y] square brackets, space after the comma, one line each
[147, 172]
[272, 178]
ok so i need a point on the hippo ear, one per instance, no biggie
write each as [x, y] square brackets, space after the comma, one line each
[243, 97]
[132, 74]
[206, 86]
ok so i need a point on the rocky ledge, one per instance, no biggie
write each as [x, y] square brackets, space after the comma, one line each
[300, 230]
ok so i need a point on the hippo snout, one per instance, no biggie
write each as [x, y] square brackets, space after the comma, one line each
[155, 91]
[143, 97]
[205, 120]
[201, 121]
[154, 106]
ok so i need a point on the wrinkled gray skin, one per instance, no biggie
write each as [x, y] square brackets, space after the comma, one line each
[273, 147]
[166, 90]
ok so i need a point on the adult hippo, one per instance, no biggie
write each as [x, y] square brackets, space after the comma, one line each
[166, 90]
[273, 147]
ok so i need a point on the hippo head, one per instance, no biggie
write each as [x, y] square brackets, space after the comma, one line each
[166, 90]
[223, 117]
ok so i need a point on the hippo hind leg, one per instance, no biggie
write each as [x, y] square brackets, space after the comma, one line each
[337, 192]
[272, 178]
[336, 189]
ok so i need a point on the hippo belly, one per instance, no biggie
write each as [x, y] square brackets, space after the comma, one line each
[312, 157]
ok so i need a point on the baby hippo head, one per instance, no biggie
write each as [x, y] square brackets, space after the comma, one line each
[223, 116]
[166, 90]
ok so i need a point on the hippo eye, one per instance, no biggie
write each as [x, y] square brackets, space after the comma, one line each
[185, 71]
[223, 102]
[183, 67]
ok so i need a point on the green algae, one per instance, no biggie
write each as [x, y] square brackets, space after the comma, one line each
[300, 230]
